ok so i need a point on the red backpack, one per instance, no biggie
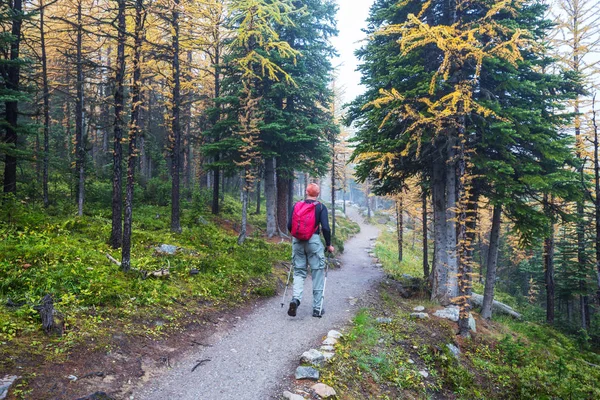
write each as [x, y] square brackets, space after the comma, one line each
[304, 220]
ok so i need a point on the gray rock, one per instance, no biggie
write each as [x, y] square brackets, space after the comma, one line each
[334, 334]
[419, 309]
[328, 355]
[352, 300]
[292, 396]
[453, 349]
[72, 378]
[307, 373]
[323, 390]
[330, 341]
[407, 276]
[194, 271]
[327, 348]
[379, 265]
[384, 320]
[202, 221]
[424, 374]
[314, 357]
[373, 238]
[450, 312]
[472, 323]
[419, 315]
[411, 361]
[382, 220]
[167, 249]
[5, 383]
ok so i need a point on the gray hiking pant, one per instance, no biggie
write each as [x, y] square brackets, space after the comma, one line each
[309, 252]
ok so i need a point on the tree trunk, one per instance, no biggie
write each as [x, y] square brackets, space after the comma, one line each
[399, 225]
[46, 94]
[119, 104]
[134, 130]
[11, 107]
[597, 193]
[490, 277]
[451, 228]
[333, 193]
[425, 241]
[176, 124]
[282, 202]
[440, 250]
[242, 236]
[271, 196]
[367, 191]
[79, 145]
[549, 265]
[258, 188]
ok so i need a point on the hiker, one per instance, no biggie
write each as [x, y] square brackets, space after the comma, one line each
[307, 219]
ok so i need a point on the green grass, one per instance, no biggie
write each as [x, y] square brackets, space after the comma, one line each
[386, 249]
[48, 252]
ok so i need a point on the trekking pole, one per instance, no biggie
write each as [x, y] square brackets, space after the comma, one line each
[287, 284]
[327, 262]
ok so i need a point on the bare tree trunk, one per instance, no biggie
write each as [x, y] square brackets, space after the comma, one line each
[597, 193]
[46, 91]
[79, 145]
[116, 235]
[243, 228]
[11, 110]
[549, 265]
[367, 192]
[282, 202]
[271, 196]
[176, 124]
[440, 250]
[134, 130]
[399, 225]
[490, 277]
[333, 192]
[258, 188]
[425, 241]
[451, 228]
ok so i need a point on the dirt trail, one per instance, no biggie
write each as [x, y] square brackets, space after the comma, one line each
[256, 358]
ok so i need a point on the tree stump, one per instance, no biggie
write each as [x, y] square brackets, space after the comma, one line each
[48, 315]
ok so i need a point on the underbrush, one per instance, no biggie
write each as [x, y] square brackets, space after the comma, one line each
[49, 252]
[410, 359]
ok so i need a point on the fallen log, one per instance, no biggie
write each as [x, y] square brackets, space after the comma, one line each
[502, 308]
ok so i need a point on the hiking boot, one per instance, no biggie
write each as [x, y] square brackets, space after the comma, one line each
[293, 307]
[317, 314]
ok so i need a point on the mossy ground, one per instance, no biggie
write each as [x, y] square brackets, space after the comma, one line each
[505, 359]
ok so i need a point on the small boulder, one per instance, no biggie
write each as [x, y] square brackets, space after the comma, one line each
[450, 312]
[379, 265]
[384, 320]
[334, 334]
[167, 249]
[323, 390]
[424, 373]
[453, 349]
[419, 309]
[330, 341]
[5, 384]
[328, 355]
[292, 396]
[313, 357]
[327, 348]
[472, 323]
[419, 315]
[307, 373]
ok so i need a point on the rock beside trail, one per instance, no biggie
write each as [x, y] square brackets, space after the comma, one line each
[5, 384]
[323, 390]
[330, 341]
[452, 313]
[419, 309]
[384, 320]
[419, 315]
[424, 374]
[334, 334]
[313, 357]
[307, 373]
[328, 355]
[292, 396]
[327, 348]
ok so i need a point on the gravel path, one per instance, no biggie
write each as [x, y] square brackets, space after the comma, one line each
[256, 358]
